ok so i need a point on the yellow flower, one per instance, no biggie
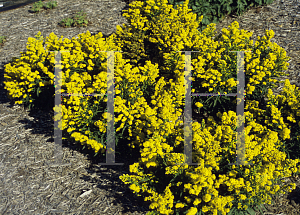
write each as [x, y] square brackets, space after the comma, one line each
[207, 197]
[199, 105]
[205, 209]
[243, 197]
[247, 171]
[179, 205]
[197, 201]
[192, 211]
[135, 188]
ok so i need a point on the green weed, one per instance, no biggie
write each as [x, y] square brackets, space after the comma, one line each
[78, 20]
[2, 40]
[39, 5]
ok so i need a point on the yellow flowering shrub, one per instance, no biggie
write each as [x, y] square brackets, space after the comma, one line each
[157, 31]
[150, 96]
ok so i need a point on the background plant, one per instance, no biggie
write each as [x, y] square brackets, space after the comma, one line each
[78, 20]
[2, 39]
[215, 10]
[50, 5]
[68, 22]
[37, 6]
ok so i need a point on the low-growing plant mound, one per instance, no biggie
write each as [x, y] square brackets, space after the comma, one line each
[150, 90]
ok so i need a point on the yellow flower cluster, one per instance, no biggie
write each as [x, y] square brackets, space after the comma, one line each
[289, 98]
[257, 67]
[85, 140]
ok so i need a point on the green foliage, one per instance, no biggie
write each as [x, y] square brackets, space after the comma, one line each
[67, 22]
[78, 20]
[50, 5]
[215, 10]
[38, 5]
[2, 40]
[235, 211]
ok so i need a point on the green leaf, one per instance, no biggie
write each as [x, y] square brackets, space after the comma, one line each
[38, 91]
[261, 206]
[197, 3]
[215, 102]
[251, 211]
[194, 8]
[231, 211]
[259, 2]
